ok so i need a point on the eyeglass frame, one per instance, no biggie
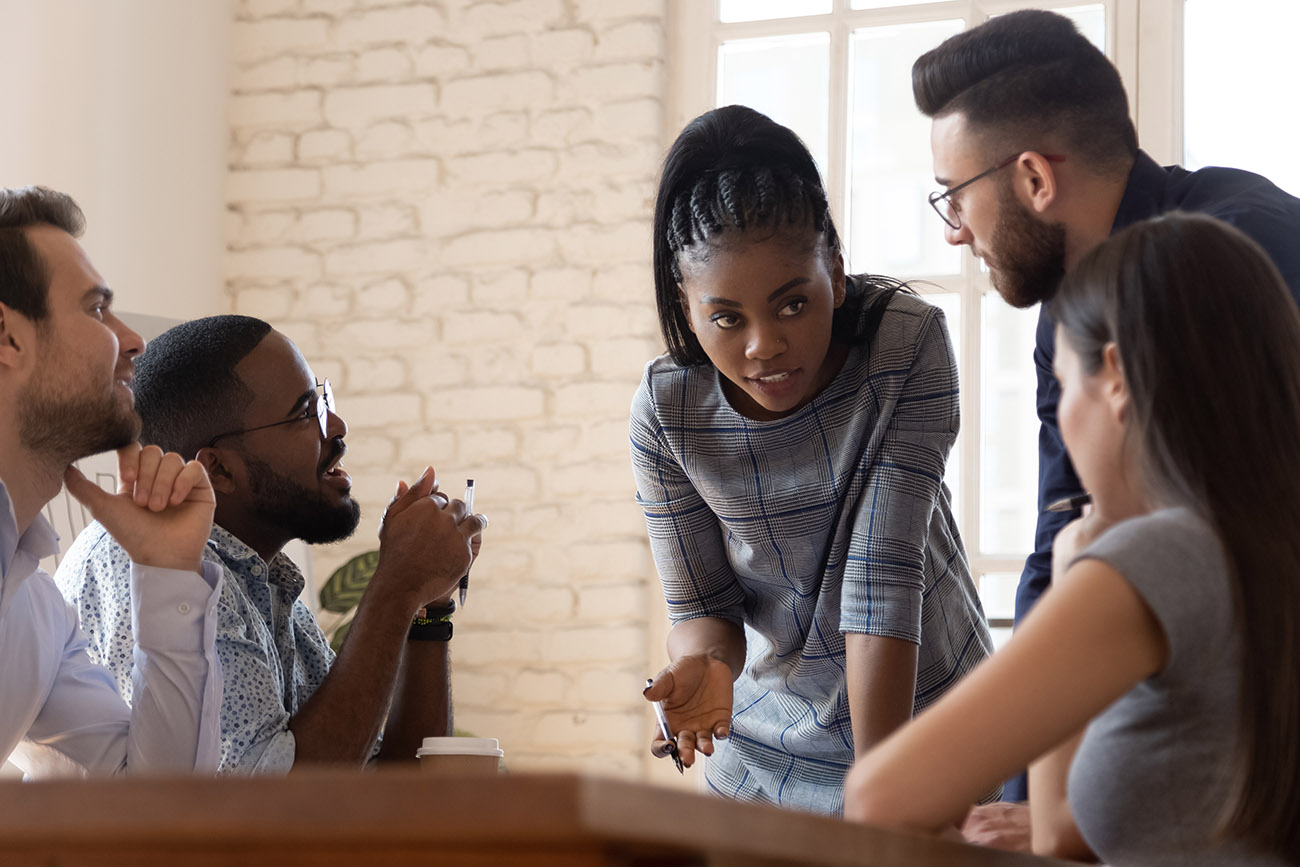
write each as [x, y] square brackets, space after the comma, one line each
[324, 406]
[945, 196]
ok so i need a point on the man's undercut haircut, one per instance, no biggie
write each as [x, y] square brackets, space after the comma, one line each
[1024, 76]
[24, 275]
[186, 389]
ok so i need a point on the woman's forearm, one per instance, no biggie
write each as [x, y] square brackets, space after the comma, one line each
[1052, 828]
[881, 675]
[709, 636]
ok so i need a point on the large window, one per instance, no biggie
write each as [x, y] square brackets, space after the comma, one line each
[1237, 64]
[838, 72]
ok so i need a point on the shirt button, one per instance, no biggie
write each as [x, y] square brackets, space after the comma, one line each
[257, 569]
[183, 608]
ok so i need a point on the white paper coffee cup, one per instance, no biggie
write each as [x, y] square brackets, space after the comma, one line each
[460, 756]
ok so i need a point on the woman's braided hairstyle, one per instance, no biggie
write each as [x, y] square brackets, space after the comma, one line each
[736, 170]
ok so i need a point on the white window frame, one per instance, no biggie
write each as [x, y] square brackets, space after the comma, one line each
[1144, 40]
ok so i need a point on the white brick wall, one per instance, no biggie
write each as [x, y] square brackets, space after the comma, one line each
[447, 203]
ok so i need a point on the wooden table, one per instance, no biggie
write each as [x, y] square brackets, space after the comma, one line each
[401, 818]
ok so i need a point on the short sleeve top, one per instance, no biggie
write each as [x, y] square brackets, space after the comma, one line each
[1153, 769]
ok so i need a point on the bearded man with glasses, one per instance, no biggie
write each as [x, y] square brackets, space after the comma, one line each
[1032, 140]
[240, 398]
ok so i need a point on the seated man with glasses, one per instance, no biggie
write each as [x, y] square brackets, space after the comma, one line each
[238, 397]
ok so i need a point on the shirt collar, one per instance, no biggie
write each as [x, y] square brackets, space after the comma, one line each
[40, 540]
[1144, 194]
[281, 571]
[229, 546]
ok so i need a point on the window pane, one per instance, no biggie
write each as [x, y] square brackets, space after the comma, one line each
[883, 4]
[1090, 19]
[762, 10]
[1008, 428]
[891, 227]
[1235, 55]
[785, 77]
[950, 304]
[998, 594]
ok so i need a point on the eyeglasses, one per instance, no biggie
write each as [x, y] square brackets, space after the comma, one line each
[321, 408]
[948, 210]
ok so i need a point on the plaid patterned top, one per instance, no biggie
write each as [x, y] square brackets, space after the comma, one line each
[833, 519]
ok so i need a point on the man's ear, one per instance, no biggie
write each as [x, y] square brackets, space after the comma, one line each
[686, 307]
[1036, 181]
[17, 337]
[218, 464]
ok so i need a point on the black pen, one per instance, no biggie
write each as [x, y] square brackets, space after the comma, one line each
[469, 505]
[1069, 504]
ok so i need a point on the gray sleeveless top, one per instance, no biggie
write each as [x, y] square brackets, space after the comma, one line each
[1153, 769]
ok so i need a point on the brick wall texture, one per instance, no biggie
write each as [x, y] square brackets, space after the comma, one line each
[447, 205]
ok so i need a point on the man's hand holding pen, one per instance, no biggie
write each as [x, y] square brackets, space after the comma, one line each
[427, 541]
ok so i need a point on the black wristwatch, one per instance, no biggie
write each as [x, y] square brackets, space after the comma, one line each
[424, 629]
[434, 626]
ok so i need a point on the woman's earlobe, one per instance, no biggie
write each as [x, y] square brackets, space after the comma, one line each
[1116, 384]
[839, 280]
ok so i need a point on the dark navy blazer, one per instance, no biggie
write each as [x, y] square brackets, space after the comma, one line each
[1249, 202]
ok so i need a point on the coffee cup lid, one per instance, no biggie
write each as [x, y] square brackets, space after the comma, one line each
[454, 746]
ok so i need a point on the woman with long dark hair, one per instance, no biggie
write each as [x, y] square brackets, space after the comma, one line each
[1158, 683]
[789, 453]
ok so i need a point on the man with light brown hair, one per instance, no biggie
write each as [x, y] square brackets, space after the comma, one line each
[65, 362]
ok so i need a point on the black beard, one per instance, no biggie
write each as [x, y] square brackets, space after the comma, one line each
[302, 513]
[68, 429]
[1029, 253]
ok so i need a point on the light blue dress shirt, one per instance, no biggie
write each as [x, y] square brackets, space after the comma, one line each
[60, 713]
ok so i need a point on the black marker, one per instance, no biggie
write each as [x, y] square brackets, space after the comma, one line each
[664, 731]
[469, 505]
[1069, 504]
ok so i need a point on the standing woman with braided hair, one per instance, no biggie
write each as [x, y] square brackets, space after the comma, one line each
[789, 453]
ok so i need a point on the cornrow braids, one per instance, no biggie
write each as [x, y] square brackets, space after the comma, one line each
[740, 200]
[732, 171]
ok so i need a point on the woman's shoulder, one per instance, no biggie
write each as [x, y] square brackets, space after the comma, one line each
[1172, 557]
[674, 391]
[910, 331]
[1176, 528]
[910, 314]
[903, 318]
[663, 376]
[909, 303]
[664, 366]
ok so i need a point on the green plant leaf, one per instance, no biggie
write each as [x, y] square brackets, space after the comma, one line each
[336, 640]
[343, 590]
